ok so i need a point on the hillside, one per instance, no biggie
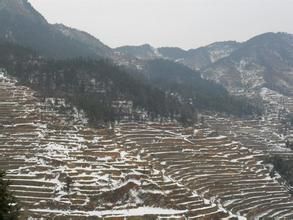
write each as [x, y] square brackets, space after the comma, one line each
[199, 93]
[92, 85]
[92, 44]
[163, 90]
[263, 61]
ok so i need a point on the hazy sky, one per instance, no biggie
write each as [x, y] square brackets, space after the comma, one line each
[183, 23]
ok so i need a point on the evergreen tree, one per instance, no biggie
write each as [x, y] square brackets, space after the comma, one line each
[9, 209]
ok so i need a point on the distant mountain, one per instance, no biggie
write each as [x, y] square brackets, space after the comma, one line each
[195, 58]
[20, 23]
[263, 61]
[201, 57]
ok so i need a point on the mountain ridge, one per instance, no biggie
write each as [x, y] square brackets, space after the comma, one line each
[23, 7]
[20, 23]
[262, 61]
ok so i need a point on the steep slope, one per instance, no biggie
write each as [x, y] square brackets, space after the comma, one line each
[20, 23]
[90, 42]
[263, 61]
[189, 87]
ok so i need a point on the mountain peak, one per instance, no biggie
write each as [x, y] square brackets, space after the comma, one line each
[270, 36]
[21, 8]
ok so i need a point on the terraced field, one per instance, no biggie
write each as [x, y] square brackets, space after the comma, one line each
[62, 169]
[267, 133]
[228, 176]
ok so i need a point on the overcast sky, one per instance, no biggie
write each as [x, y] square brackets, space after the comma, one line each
[183, 23]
